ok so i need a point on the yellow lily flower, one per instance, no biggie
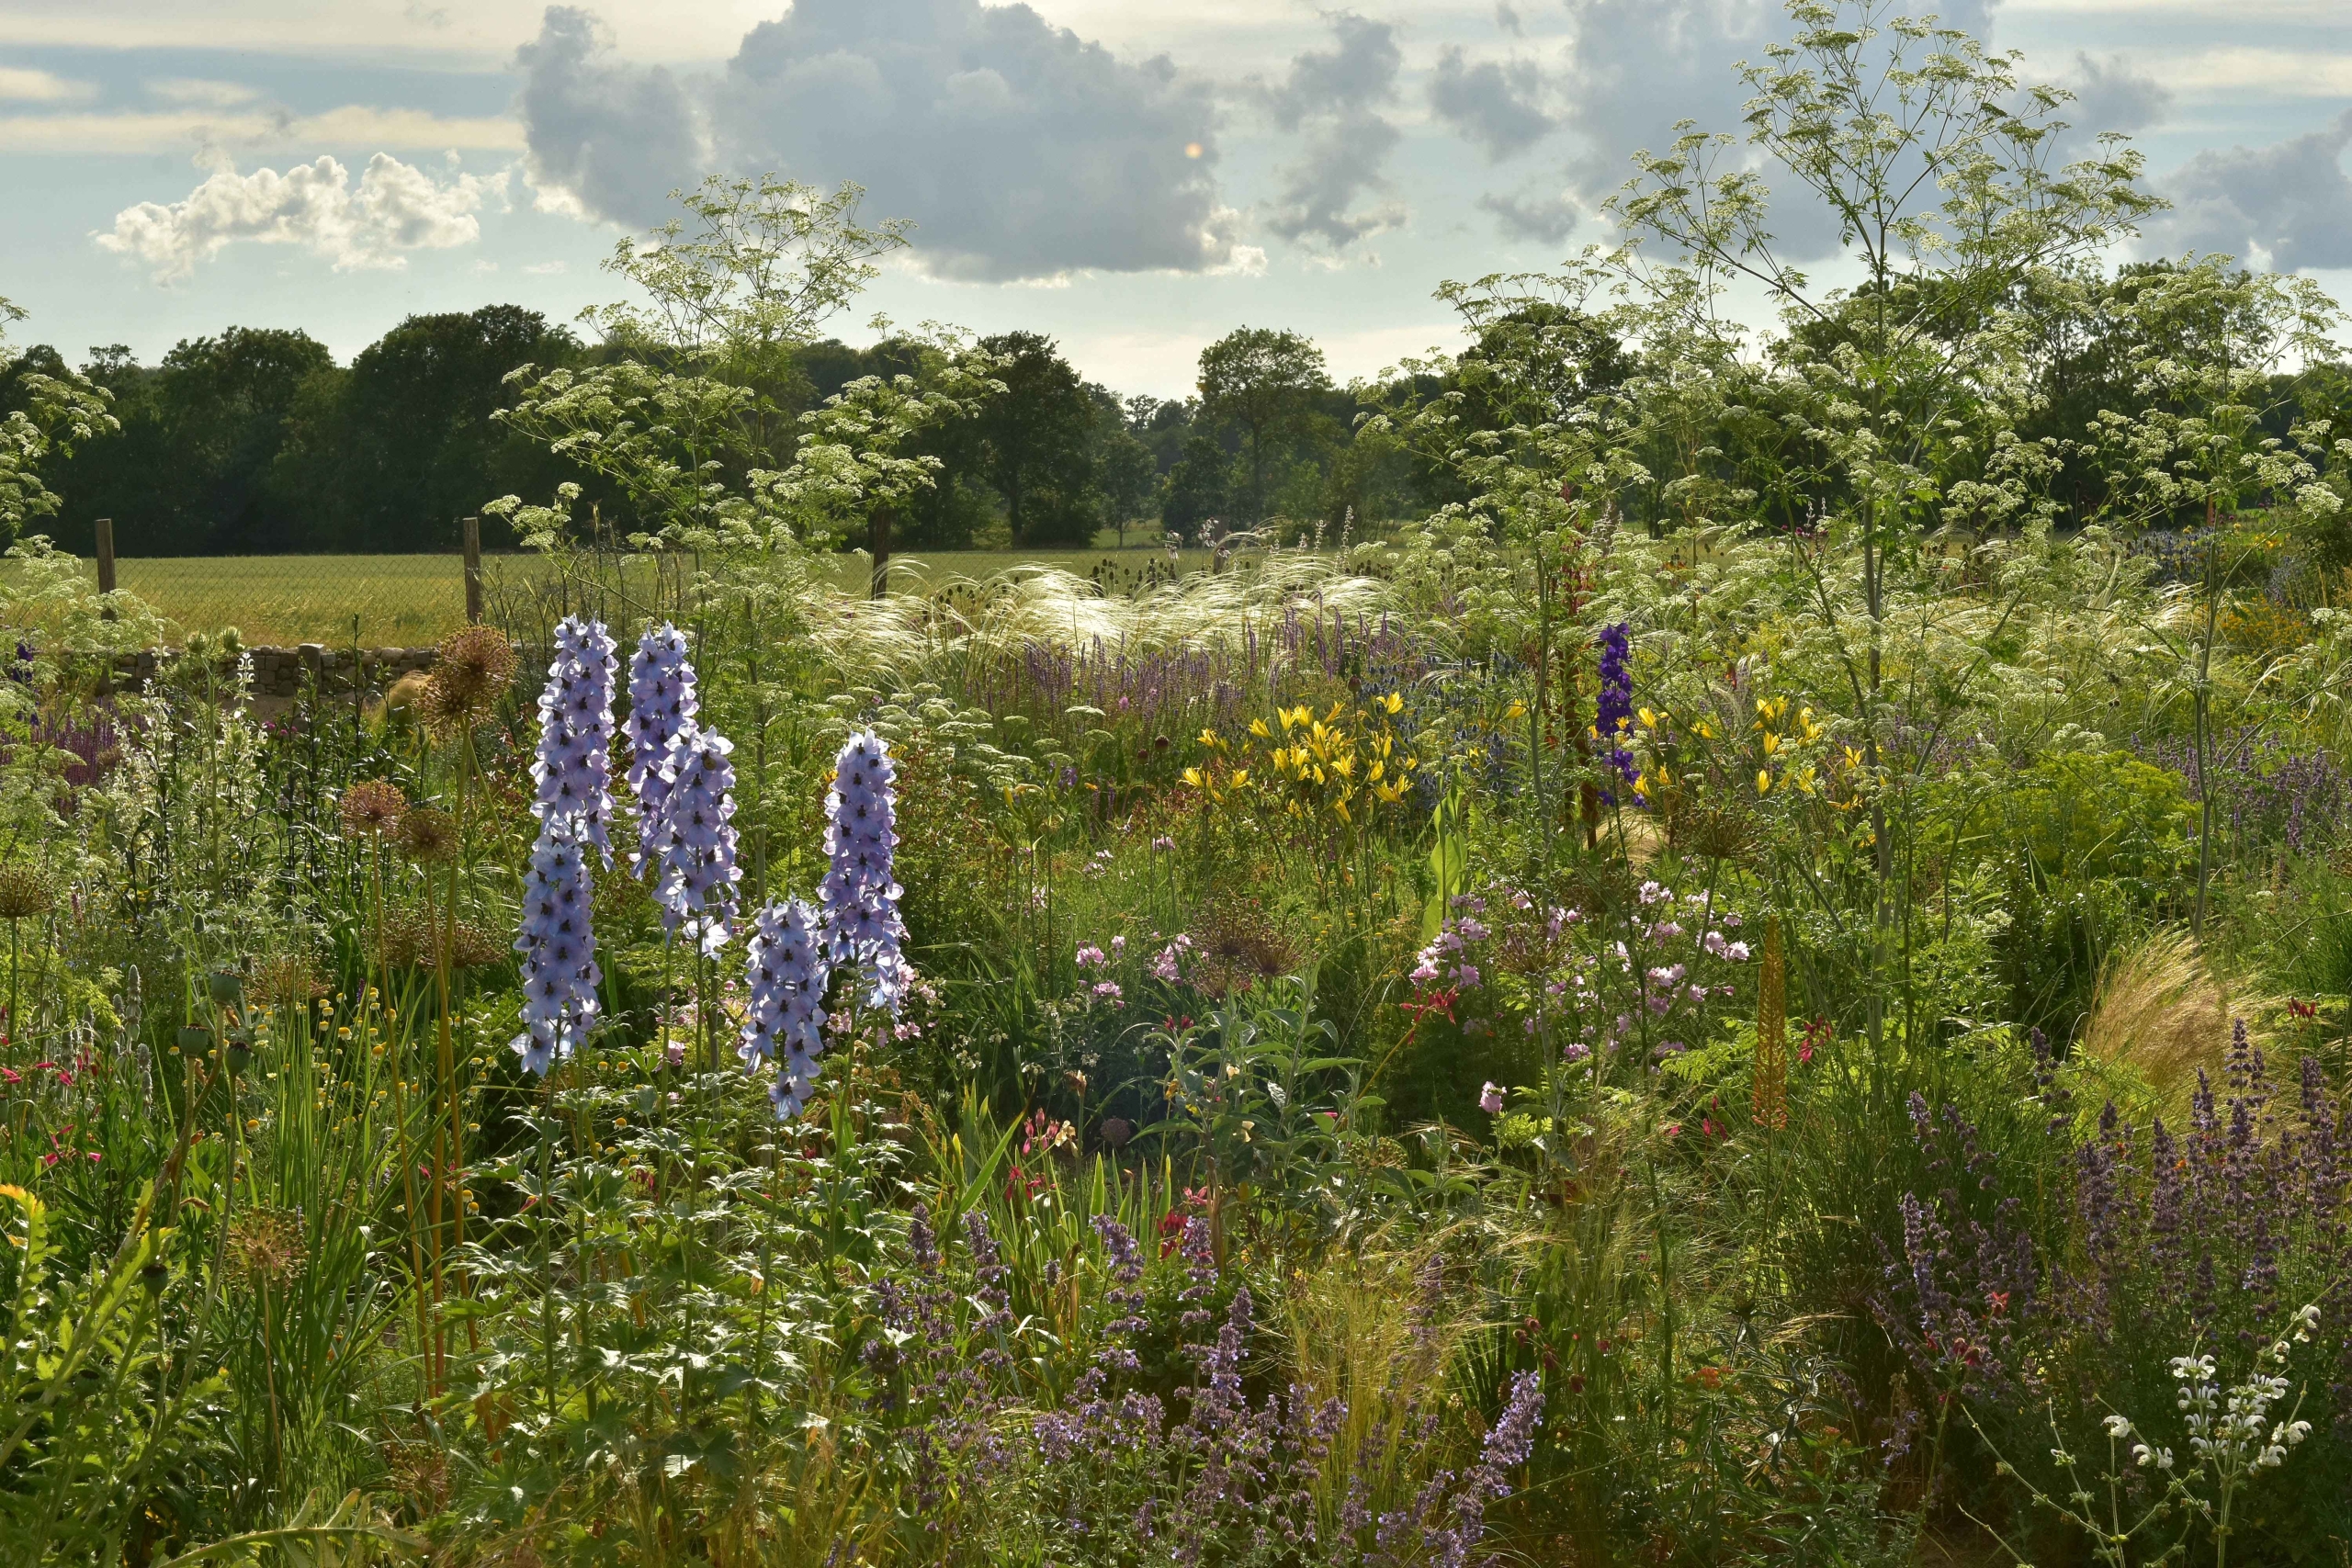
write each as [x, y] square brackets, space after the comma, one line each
[1763, 783]
[1257, 728]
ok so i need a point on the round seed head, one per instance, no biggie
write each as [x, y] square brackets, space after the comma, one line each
[372, 808]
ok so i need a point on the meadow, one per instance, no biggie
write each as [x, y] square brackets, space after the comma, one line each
[1768, 983]
[413, 600]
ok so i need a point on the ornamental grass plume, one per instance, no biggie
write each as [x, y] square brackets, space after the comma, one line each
[573, 768]
[559, 948]
[662, 705]
[695, 856]
[786, 1020]
[861, 900]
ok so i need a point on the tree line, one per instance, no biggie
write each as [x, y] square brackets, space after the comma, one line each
[256, 441]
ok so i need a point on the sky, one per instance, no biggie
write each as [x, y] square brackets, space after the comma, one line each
[1133, 180]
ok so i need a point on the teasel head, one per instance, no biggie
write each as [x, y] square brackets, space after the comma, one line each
[471, 670]
[372, 808]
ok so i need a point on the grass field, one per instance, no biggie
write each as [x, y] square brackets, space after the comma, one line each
[408, 601]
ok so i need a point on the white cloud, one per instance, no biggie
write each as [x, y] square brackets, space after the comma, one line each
[2241, 71]
[1019, 150]
[201, 93]
[181, 130]
[23, 84]
[547, 269]
[395, 207]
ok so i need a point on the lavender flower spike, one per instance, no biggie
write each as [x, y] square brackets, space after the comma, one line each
[696, 885]
[558, 949]
[663, 705]
[862, 923]
[573, 768]
[786, 1020]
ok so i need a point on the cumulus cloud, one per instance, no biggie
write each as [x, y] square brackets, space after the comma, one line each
[1018, 148]
[615, 138]
[1333, 97]
[2287, 205]
[395, 207]
[1495, 104]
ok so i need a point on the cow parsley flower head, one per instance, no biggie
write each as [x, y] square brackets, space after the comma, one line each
[559, 948]
[862, 923]
[573, 768]
[696, 852]
[786, 1020]
[662, 706]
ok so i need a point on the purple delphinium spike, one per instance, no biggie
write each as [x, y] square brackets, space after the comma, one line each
[558, 949]
[573, 768]
[863, 928]
[662, 706]
[1614, 710]
[786, 1020]
[696, 856]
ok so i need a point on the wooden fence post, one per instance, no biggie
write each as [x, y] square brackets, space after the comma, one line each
[878, 547]
[473, 570]
[106, 562]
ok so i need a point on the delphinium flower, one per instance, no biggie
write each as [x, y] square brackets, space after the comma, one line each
[786, 1020]
[862, 924]
[1615, 711]
[663, 705]
[573, 768]
[696, 851]
[559, 948]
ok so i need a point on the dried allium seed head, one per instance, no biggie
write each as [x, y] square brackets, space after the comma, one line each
[471, 671]
[266, 1246]
[372, 808]
[289, 979]
[412, 941]
[24, 893]
[428, 835]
